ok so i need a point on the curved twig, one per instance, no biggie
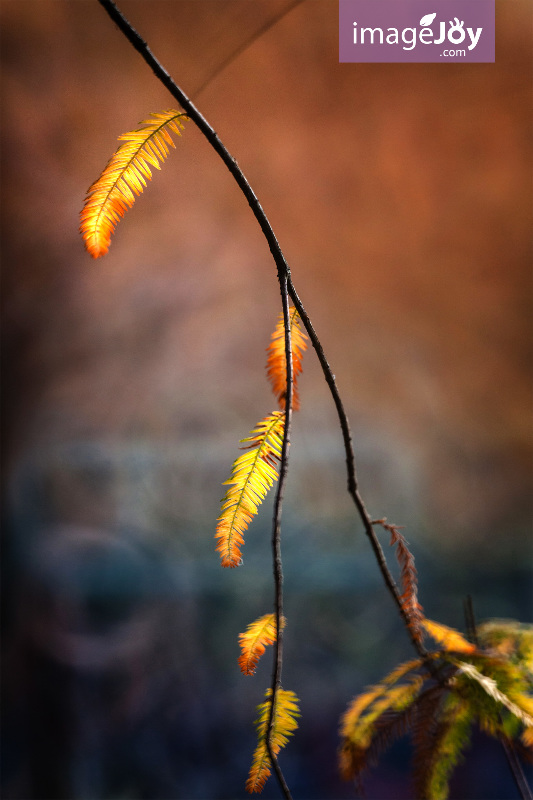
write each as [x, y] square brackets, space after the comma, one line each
[283, 268]
[276, 535]
[283, 275]
[287, 288]
[351, 469]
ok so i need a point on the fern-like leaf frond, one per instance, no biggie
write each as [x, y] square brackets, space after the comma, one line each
[277, 362]
[447, 741]
[254, 473]
[451, 639]
[359, 730]
[520, 705]
[409, 597]
[489, 684]
[253, 641]
[125, 177]
[283, 725]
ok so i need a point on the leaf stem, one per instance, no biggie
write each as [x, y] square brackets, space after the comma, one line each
[276, 533]
[283, 275]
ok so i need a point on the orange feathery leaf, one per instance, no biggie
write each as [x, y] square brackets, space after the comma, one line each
[258, 634]
[125, 176]
[448, 637]
[409, 596]
[283, 725]
[360, 732]
[277, 363]
[364, 701]
[254, 473]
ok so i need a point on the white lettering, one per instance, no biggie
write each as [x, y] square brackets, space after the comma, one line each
[392, 38]
[412, 40]
[424, 33]
[474, 37]
[372, 32]
[442, 33]
[456, 29]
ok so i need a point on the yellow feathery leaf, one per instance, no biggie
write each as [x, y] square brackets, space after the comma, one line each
[447, 743]
[401, 670]
[283, 725]
[258, 634]
[359, 727]
[353, 713]
[125, 176]
[277, 363]
[364, 700]
[360, 731]
[254, 473]
[490, 686]
[448, 637]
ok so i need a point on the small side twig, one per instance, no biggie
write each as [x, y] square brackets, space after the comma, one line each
[243, 46]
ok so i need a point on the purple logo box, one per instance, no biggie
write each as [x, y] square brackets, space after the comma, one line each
[416, 31]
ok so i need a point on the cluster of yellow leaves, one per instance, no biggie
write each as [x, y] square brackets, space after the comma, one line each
[283, 725]
[125, 177]
[258, 635]
[255, 472]
[490, 684]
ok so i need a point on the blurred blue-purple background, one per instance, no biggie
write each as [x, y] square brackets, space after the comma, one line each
[401, 195]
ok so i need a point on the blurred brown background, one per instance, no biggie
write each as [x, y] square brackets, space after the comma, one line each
[401, 195]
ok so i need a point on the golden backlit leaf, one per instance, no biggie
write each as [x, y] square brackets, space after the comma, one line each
[449, 638]
[258, 634]
[277, 362]
[284, 724]
[125, 177]
[254, 473]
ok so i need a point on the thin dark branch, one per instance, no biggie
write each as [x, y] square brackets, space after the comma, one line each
[276, 537]
[470, 620]
[287, 289]
[190, 109]
[192, 112]
[516, 768]
[351, 468]
[283, 274]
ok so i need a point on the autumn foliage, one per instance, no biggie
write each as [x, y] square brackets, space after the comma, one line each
[436, 698]
[125, 177]
[283, 725]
